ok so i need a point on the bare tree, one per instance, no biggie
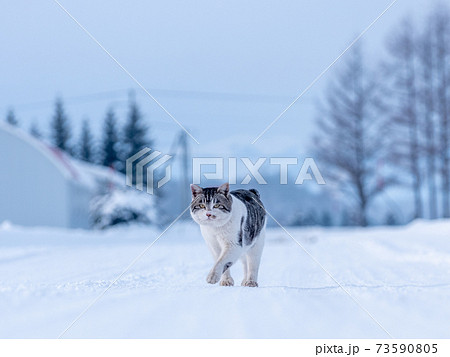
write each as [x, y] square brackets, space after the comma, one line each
[350, 138]
[441, 21]
[404, 120]
[426, 101]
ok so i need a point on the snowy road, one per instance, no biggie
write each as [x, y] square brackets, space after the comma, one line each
[401, 276]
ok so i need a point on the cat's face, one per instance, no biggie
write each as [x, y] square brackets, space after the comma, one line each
[211, 205]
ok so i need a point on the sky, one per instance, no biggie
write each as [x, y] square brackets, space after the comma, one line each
[223, 69]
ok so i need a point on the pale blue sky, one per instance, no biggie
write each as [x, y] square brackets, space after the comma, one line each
[261, 54]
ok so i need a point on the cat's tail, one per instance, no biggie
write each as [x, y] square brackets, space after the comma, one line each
[255, 192]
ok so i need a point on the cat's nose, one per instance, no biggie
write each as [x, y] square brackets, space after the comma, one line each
[208, 214]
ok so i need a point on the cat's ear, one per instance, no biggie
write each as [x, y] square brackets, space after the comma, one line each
[196, 190]
[224, 189]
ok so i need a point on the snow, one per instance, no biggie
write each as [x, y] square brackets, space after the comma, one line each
[121, 206]
[91, 175]
[401, 275]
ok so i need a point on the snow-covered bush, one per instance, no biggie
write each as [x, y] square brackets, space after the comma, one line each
[122, 206]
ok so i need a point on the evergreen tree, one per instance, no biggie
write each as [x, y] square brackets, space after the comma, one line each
[34, 130]
[134, 133]
[109, 146]
[86, 143]
[11, 118]
[60, 128]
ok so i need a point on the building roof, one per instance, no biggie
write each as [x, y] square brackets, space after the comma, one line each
[83, 173]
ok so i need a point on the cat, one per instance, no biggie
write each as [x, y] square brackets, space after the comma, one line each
[233, 226]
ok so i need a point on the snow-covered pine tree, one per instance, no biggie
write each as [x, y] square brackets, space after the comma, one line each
[85, 146]
[109, 155]
[11, 118]
[34, 131]
[60, 128]
[135, 133]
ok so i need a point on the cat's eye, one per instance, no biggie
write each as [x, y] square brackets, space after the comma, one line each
[201, 205]
[217, 205]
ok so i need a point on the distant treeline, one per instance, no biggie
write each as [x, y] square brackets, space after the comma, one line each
[114, 146]
[386, 125]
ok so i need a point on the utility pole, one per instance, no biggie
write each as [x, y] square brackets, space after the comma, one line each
[180, 149]
[131, 96]
[183, 142]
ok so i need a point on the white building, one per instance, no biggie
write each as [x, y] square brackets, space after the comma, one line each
[41, 186]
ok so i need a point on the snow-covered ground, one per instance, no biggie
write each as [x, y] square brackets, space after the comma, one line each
[400, 275]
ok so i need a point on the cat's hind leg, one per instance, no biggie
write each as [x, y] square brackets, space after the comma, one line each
[244, 265]
[253, 260]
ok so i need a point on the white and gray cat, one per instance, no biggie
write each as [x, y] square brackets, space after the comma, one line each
[233, 226]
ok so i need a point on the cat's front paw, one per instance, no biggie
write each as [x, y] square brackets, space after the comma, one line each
[212, 277]
[249, 283]
[228, 281]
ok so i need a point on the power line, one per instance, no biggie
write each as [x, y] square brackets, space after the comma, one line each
[107, 95]
[185, 94]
